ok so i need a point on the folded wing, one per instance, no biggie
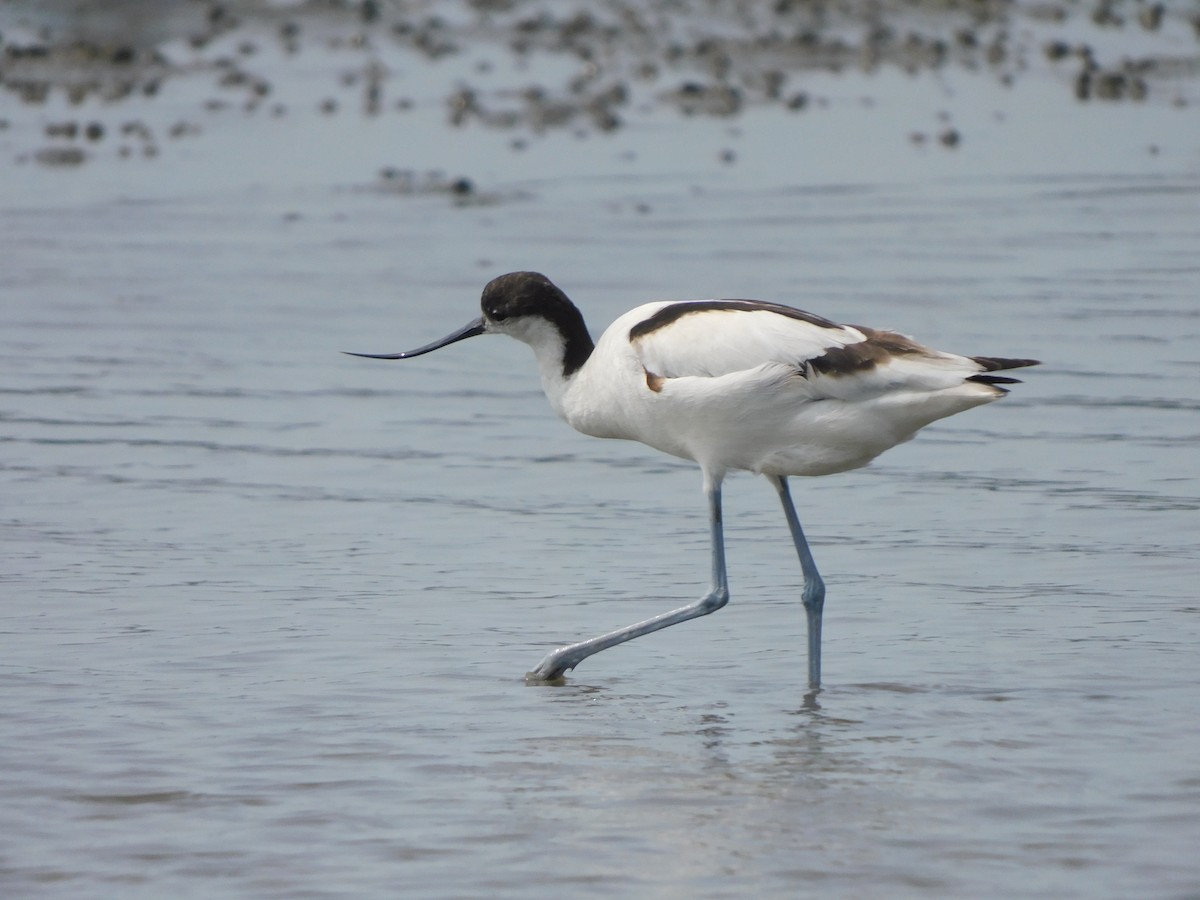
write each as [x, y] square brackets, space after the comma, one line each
[709, 338]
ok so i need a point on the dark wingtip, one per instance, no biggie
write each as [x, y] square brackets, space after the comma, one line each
[1000, 363]
[993, 379]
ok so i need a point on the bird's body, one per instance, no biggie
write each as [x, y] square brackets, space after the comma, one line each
[732, 384]
[736, 387]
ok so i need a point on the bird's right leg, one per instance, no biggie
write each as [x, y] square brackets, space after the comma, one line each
[559, 661]
[813, 595]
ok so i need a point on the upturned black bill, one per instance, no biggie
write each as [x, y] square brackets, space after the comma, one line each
[471, 329]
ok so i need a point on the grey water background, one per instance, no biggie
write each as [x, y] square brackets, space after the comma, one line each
[266, 608]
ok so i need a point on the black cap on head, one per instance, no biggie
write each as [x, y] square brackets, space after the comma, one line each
[521, 294]
[531, 294]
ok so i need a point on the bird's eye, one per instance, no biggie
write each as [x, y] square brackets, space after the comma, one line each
[496, 314]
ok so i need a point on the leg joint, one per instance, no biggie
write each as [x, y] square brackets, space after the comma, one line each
[713, 600]
[813, 595]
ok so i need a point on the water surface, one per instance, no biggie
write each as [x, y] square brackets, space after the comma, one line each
[267, 609]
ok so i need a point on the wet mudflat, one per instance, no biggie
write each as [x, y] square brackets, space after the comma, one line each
[265, 609]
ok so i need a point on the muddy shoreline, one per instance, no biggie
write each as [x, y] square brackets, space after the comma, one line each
[83, 80]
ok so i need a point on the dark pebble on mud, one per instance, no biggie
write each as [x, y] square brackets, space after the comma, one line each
[1112, 86]
[68, 130]
[1058, 50]
[34, 51]
[1083, 85]
[950, 137]
[605, 119]
[1151, 17]
[94, 131]
[773, 81]
[137, 129]
[183, 129]
[33, 92]
[60, 156]
[233, 78]
[1106, 15]
[715, 100]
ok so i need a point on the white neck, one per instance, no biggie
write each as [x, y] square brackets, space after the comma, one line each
[549, 347]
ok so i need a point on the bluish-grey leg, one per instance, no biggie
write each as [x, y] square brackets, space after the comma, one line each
[813, 595]
[559, 661]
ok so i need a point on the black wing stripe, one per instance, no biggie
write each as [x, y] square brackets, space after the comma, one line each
[668, 314]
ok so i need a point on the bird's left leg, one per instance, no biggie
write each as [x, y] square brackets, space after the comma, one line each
[559, 661]
[813, 595]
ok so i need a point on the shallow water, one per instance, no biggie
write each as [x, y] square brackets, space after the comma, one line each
[266, 608]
